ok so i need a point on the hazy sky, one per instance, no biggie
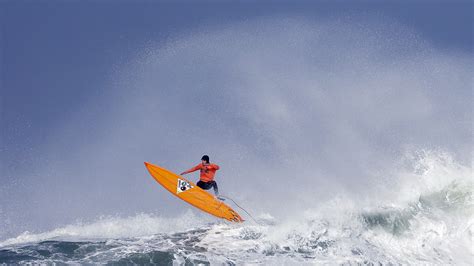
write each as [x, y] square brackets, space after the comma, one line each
[54, 53]
[67, 67]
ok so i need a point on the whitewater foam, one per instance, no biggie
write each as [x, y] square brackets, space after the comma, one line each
[432, 223]
[113, 228]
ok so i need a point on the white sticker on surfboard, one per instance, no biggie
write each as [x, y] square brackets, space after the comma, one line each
[183, 186]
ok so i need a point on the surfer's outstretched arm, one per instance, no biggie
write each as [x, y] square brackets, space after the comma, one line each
[195, 168]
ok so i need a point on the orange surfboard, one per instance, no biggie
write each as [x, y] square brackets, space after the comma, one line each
[192, 194]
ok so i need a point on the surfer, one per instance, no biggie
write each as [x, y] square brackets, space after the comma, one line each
[207, 172]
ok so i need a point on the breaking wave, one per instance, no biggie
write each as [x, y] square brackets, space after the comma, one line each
[435, 226]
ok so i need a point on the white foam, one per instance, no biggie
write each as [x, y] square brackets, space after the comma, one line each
[437, 219]
[111, 228]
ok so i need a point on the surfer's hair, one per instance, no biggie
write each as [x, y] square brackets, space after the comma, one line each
[205, 158]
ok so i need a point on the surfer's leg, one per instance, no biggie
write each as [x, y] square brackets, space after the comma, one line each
[202, 185]
[216, 189]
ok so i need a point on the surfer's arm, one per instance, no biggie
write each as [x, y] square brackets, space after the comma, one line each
[195, 168]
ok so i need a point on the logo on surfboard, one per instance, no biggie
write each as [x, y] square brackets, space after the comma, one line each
[183, 186]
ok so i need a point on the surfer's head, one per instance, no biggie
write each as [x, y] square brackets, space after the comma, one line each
[205, 158]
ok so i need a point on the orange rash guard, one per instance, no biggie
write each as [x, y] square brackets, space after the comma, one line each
[208, 171]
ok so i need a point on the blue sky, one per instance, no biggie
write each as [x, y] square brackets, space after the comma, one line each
[77, 78]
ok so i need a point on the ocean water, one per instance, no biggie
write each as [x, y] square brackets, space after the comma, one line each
[435, 226]
[288, 103]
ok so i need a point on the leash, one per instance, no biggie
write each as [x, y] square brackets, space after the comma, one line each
[225, 197]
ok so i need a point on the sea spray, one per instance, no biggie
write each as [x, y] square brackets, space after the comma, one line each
[436, 226]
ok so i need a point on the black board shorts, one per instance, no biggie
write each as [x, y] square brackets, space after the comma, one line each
[207, 185]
